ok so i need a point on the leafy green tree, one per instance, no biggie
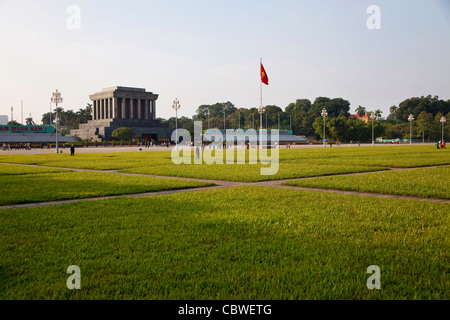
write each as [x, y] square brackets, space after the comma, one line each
[272, 113]
[123, 133]
[343, 129]
[182, 123]
[302, 117]
[300, 105]
[334, 106]
[396, 131]
[416, 105]
[216, 113]
[425, 124]
[14, 123]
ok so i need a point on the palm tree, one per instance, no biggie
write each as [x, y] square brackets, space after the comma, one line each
[392, 111]
[29, 121]
[46, 119]
[69, 117]
[361, 111]
[57, 114]
[378, 113]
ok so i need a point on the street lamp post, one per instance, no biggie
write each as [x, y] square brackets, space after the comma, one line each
[56, 98]
[410, 119]
[224, 120]
[176, 105]
[372, 117]
[443, 120]
[324, 114]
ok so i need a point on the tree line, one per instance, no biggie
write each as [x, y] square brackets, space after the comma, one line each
[303, 117]
[67, 119]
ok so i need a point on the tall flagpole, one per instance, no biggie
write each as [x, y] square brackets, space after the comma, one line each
[260, 95]
[261, 110]
[260, 82]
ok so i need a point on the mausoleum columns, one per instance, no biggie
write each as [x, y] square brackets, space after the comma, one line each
[114, 107]
[123, 103]
[123, 109]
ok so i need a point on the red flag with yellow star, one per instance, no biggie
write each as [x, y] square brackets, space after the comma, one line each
[264, 77]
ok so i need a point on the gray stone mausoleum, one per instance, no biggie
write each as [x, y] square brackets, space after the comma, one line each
[117, 107]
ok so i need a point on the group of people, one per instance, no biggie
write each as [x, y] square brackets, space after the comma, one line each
[440, 145]
[19, 146]
[152, 144]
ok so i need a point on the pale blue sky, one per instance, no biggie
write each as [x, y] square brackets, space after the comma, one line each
[203, 52]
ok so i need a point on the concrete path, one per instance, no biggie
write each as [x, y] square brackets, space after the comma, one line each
[218, 184]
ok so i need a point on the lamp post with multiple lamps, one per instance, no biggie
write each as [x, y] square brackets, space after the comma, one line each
[56, 98]
[176, 106]
[410, 119]
[324, 115]
[372, 117]
[443, 120]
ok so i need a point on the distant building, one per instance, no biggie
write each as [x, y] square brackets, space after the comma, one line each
[3, 120]
[364, 118]
[31, 134]
[117, 107]
[284, 136]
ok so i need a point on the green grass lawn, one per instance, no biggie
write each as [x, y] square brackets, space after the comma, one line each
[21, 184]
[294, 163]
[425, 182]
[237, 243]
[16, 170]
[247, 172]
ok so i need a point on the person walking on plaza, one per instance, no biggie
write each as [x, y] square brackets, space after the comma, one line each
[72, 150]
[197, 152]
